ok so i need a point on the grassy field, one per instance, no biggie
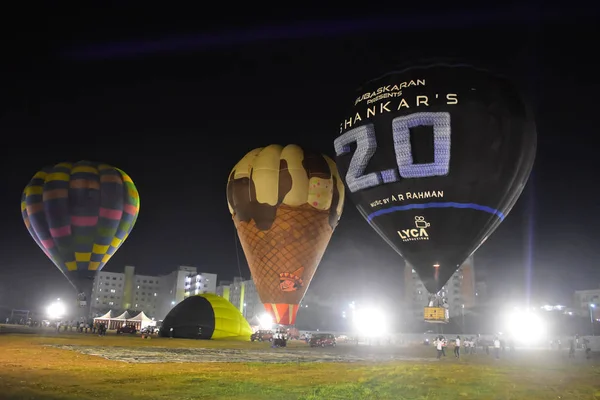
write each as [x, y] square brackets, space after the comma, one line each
[30, 369]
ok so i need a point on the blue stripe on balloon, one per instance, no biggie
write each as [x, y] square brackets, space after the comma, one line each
[472, 206]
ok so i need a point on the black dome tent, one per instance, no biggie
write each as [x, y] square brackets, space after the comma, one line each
[206, 316]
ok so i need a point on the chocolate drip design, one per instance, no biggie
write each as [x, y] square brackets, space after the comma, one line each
[241, 194]
[316, 166]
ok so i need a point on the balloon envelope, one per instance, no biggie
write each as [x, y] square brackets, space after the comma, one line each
[206, 316]
[434, 158]
[285, 205]
[80, 214]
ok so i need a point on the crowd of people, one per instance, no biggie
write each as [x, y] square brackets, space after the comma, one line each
[469, 345]
[498, 346]
[280, 338]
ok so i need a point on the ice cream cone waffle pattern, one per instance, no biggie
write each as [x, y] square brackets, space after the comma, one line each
[285, 205]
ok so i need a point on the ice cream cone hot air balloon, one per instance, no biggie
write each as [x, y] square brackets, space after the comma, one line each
[285, 205]
[80, 214]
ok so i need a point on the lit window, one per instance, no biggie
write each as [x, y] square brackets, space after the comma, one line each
[112, 290]
[110, 303]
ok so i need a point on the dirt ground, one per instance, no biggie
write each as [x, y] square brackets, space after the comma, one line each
[268, 355]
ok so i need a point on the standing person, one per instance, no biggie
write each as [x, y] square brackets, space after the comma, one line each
[439, 345]
[457, 347]
[572, 348]
[588, 349]
[444, 344]
[497, 347]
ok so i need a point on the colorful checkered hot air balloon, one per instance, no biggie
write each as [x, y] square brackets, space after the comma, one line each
[80, 214]
[285, 204]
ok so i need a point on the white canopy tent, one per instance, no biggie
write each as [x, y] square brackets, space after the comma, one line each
[143, 320]
[125, 316]
[140, 321]
[108, 315]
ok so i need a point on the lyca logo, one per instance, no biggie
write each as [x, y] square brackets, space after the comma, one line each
[417, 233]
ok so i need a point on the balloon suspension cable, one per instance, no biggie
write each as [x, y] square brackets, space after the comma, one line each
[237, 253]
[435, 300]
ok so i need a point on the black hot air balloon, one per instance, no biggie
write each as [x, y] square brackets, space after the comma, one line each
[434, 158]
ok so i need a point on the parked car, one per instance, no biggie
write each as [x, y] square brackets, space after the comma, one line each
[127, 329]
[262, 336]
[322, 340]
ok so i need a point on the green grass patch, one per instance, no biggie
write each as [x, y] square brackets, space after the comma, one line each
[32, 370]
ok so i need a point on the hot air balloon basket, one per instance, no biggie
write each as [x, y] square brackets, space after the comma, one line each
[436, 315]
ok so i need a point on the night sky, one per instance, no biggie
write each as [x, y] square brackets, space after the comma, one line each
[177, 116]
